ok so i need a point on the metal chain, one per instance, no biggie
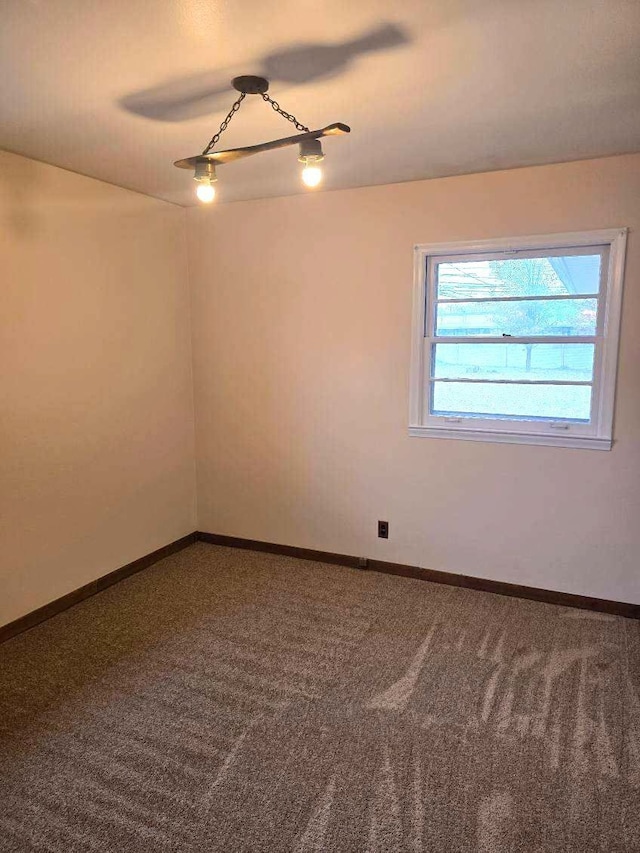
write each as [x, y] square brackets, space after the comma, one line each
[234, 109]
[276, 106]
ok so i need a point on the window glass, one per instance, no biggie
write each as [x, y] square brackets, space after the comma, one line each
[543, 276]
[481, 399]
[528, 362]
[529, 317]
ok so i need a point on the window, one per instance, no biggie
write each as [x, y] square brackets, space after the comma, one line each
[516, 340]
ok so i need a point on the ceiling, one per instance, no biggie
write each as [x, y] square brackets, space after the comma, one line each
[119, 89]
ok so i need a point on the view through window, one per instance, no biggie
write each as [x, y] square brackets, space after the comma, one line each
[515, 340]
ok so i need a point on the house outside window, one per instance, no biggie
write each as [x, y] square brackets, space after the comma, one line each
[516, 340]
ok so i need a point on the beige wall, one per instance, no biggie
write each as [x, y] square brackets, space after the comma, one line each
[96, 416]
[301, 312]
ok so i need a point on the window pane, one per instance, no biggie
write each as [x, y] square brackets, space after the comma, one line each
[529, 402]
[544, 276]
[533, 317]
[532, 362]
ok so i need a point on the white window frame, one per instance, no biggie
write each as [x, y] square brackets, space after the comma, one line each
[597, 434]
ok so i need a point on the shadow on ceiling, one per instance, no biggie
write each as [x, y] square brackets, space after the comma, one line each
[192, 97]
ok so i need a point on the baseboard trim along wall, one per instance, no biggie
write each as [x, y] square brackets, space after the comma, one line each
[86, 591]
[565, 599]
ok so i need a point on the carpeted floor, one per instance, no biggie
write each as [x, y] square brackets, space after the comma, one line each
[226, 700]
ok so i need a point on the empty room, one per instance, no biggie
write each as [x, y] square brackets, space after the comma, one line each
[320, 426]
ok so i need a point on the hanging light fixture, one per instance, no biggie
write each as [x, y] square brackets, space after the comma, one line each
[311, 155]
[205, 175]
[204, 165]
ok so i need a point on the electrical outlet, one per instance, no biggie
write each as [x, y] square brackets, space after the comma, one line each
[383, 530]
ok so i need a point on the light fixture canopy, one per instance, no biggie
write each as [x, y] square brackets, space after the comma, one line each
[204, 165]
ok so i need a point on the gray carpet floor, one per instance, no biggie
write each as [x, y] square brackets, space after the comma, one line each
[226, 700]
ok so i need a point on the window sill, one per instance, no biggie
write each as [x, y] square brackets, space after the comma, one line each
[575, 441]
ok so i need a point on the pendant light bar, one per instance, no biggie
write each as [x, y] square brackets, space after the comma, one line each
[311, 154]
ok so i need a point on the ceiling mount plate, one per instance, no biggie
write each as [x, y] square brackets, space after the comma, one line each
[250, 85]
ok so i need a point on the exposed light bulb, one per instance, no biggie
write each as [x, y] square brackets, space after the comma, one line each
[311, 174]
[205, 175]
[205, 191]
[311, 156]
